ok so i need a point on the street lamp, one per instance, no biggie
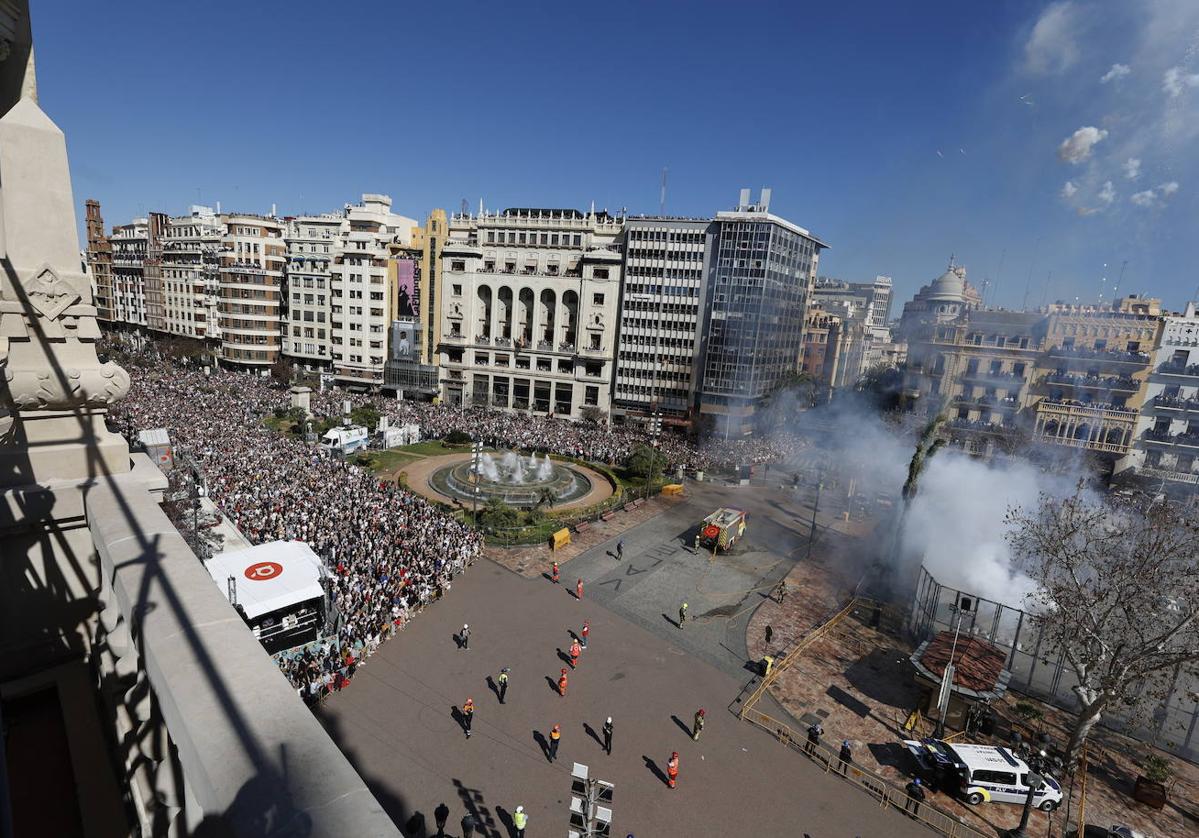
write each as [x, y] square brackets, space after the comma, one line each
[1037, 764]
[961, 605]
[655, 430]
[476, 455]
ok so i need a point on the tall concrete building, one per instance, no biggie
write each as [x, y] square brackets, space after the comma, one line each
[191, 274]
[528, 316]
[156, 291]
[253, 260]
[313, 243]
[99, 261]
[362, 296]
[867, 301]
[430, 239]
[659, 338]
[763, 268]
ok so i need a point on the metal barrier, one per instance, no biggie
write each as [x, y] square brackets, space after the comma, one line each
[885, 793]
[798, 649]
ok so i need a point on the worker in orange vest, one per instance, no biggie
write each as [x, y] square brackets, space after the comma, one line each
[468, 715]
[672, 769]
[574, 653]
[586, 631]
[554, 573]
[579, 590]
[555, 737]
[562, 683]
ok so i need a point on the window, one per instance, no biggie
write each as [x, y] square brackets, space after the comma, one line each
[457, 290]
[600, 273]
[458, 265]
[597, 299]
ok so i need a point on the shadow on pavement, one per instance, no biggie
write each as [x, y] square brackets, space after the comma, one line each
[544, 745]
[590, 731]
[682, 726]
[653, 766]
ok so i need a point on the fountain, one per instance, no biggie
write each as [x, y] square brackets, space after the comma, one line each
[515, 479]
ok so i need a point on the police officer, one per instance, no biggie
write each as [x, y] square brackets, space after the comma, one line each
[464, 636]
[608, 736]
[846, 756]
[815, 731]
[502, 682]
[915, 790]
[520, 820]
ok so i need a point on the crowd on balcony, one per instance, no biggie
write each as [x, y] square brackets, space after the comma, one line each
[1111, 382]
[1118, 408]
[1100, 354]
[389, 552]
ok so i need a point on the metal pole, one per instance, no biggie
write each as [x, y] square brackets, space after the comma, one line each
[949, 696]
[815, 507]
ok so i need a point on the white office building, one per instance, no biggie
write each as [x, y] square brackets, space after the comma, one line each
[529, 308]
[190, 273]
[313, 242]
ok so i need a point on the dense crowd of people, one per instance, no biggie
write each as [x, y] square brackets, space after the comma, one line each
[388, 552]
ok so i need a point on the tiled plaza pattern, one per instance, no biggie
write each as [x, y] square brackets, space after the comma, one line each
[860, 682]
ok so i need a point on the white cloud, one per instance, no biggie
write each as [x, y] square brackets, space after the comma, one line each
[1107, 193]
[1117, 72]
[1144, 199]
[1051, 47]
[1069, 190]
[1175, 81]
[1169, 188]
[1077, 147]
[1132, 168]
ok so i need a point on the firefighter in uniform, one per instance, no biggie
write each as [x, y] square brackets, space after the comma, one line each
[698, 726]
[554, 573]
[585, 631]
[574, 653]
[562, 683]
[672, 769]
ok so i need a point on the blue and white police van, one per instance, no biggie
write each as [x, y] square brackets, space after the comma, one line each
[983, 773]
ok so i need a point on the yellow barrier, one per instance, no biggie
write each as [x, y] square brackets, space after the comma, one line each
[561, 538]
[672, 489]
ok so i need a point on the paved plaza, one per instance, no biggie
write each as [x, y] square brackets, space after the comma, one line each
[396, 721]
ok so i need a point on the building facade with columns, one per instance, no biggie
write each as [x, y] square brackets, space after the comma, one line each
[529, 307]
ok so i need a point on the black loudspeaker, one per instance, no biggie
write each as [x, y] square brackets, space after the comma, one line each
[966, 604]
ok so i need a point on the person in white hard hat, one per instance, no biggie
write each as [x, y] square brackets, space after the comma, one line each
[520, 820]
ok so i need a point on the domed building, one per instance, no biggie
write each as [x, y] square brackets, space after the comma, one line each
[941, 301]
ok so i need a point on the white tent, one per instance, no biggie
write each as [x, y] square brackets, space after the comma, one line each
[269, 576]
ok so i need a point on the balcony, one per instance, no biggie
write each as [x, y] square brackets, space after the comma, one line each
[594, 350]
[1120, 383]
[1173, 368]
[1101, 409]
[1167, 474]
[1082, 353]
[982, 426]
[1164, 437]
[986, 375]
[1165, 402]
[482, 340]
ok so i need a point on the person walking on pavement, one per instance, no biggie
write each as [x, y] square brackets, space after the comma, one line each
[697, 535]
[579, 591]
[682, 615]
[502, 683]
[846, 756]
[608, 736]
[519, 821]
[586, 630]
[555, 738]
[814, 733]
[575, 649]
[698, 725]
[915, 790]
[562, 683]
[468, 715]
[672, 769]
[780, 591]
[769, 634]
[620, 550]
[554, 573]
[464, 636]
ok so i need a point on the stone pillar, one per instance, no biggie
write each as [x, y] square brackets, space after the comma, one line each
[55, 389]
[301, 397]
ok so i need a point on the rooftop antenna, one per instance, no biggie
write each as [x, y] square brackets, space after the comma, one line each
[1119, 281]
[662, 194]
[951, 261]
[1028, 282]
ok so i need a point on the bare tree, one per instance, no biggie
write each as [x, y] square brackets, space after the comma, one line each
[1117, 595]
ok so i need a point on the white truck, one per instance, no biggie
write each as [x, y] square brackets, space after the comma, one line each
[344, 440]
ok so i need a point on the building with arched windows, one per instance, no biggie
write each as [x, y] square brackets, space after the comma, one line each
[528, 313]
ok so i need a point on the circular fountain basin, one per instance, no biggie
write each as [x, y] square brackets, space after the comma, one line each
[515, 479]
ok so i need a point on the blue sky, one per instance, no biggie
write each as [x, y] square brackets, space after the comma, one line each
[900, 133]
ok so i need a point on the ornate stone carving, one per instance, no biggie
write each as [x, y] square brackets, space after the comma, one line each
[49, 293]
[34, 389]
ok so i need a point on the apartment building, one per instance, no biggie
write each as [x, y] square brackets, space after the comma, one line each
[529, 308]
[99, 260]
[1166, 448]
[253, 259]
[660, 350]
[1090, 379]
[190, 268]
[362, 298]
[313, 243]
[129, 244]
[866, 301]
[763, 268]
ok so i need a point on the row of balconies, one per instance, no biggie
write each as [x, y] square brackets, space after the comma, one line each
[1175, 402]
[1084, 352]
[1110, 382]
[1173, 368]
[1096, 407]
[1164, 437]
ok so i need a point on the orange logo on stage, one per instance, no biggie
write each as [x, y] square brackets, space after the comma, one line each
[263, 571]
